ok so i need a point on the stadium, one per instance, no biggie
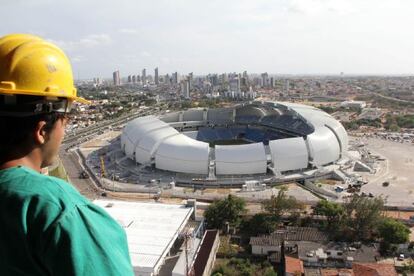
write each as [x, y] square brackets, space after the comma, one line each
[253, 140]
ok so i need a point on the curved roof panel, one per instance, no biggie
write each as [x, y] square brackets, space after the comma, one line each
[324, 147]
[180, 153]
[150, 142]
[241, 159]
[289, 154]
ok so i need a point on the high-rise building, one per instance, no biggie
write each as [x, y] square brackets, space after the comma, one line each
[245, 75]
[175, 78]
[190, 80]
[129, 78]
[234, 84]
[157, 81]
[116, 78]
[287, 86]
[185, 88]
[167, 79]
[265, 80]
[144, 76]
[97, 81]
[134, 79]
[272, 82]
[213, 79]
[223, 78]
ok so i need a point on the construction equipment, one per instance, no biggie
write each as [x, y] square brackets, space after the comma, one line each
[103, 171]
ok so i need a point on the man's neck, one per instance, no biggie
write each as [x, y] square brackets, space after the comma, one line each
[26, 161]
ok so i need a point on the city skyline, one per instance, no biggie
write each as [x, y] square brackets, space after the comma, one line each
[312, 37]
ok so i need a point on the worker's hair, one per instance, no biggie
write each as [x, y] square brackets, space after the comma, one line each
[16, 137]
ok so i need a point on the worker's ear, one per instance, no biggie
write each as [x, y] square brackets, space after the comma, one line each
[40, 134]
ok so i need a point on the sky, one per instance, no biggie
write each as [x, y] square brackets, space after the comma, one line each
[274, 36]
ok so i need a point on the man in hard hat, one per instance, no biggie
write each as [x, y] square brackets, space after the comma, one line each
[46, 226]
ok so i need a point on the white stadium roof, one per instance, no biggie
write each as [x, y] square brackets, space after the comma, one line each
[317, 139]
[289, 154]
[241, 159]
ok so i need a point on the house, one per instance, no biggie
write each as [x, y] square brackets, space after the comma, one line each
[331, 254]
[293, 267]
[373, 269]
[267, 244]
[311, 247]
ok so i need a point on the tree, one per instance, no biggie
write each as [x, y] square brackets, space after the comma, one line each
[362, 216]
[281, 204]
[228, 210]
[332, 211]
[259, 224]
[393, 231]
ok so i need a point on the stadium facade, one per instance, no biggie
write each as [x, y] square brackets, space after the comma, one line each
[248, 139]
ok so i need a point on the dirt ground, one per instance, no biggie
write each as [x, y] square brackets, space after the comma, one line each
[398, 170]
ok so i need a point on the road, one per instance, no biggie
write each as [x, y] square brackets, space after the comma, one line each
[73, 169]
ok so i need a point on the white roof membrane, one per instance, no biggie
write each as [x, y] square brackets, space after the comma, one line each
[323, 146]
[241, 159]
[289, 154]
[182, 154]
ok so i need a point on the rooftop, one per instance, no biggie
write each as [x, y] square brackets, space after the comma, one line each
[293, 265]
[151, 229]
[290, 234]
[373, 269]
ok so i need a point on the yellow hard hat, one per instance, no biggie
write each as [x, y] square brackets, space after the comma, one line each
[31, 66]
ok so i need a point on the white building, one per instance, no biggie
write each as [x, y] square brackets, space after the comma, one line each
[185, 89]
[354, 104]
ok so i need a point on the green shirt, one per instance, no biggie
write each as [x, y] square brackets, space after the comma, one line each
[48, 228]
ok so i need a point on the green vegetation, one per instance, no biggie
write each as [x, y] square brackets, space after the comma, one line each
[259, 224]
[227, 210]
[377, 101]
[361, 219]
[391, 232]
[226, 248]
[333, 213]
[243, 267]
[354, 125]
[278, 207]
[332, 109]
[281, 204]
[394, 123]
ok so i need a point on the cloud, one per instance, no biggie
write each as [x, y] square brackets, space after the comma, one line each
[145, 54]
[77, 59]
[317, 7]
[89, 41]
[128, 31]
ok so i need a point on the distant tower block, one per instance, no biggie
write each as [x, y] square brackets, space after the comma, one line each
[144, 76]
[116, 78]
[156, 76]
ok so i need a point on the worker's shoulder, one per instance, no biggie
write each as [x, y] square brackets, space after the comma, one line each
[47, 188]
